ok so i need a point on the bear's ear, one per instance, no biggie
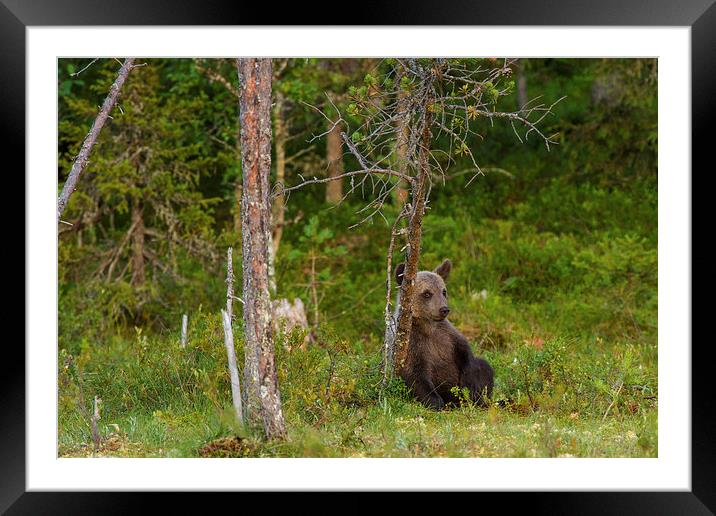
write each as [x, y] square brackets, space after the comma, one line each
[443, 270]
[399, 271]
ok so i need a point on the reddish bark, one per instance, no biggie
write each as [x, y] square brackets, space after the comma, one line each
[401, 145]
[263, 395]
[415, 230]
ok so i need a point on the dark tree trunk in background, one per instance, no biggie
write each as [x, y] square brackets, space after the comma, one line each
[138, 275]
[415, 231]
[263, 395]
[334, 156]
[522, 98]
[280, 135]
[83, 157]
[278, 208]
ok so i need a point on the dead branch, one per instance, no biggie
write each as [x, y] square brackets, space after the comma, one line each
[85, 68]
[233, 369]
[83, 157]
[389, 317]
[229, 282]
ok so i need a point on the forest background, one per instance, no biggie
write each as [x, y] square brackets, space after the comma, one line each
[554, 279]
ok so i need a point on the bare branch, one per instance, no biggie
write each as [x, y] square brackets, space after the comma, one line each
[83, 157]
[85, 68]
[383, 171]
[324, 133]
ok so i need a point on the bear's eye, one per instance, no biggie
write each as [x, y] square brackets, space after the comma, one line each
[445, 293]
[427, 294]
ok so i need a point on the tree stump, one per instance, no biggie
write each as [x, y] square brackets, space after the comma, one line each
[287, 316]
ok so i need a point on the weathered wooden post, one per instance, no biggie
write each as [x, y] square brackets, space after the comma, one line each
[226, 316]
[184, 323]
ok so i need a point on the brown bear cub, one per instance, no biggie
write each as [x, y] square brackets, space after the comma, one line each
[439, 357]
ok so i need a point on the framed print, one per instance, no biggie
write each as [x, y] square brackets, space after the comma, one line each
[578, 383]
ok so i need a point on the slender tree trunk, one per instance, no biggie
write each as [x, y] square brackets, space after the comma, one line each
[280, 134]
[401, 146]
[415, 229]
[226, 320]
[390, 311]
[138, 275]
[522, 98]
[83, 157]
[255, 111]
[334, 155]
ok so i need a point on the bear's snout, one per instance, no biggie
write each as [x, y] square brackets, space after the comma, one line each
[444, 311]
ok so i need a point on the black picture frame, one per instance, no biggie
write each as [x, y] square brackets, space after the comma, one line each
[699, 15]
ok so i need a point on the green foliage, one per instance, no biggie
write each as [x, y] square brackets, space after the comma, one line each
[569, 398]
[554, 281]
[406, 83]
[151, 156]
[462, 395]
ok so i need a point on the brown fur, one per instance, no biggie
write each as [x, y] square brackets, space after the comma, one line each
[439, 357]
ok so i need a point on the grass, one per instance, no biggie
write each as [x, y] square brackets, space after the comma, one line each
[566, 316]
[554, 397]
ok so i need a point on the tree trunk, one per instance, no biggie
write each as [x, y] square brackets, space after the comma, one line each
[138, 275]
[287, 316]
[83, 157]
[522, 98]
[255, 112]
[401, 145]
[277, 208]
[391, 312]
[415, 229]
[334, 155]
[280, 134]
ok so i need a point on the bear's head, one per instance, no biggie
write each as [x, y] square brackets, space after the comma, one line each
[429, 292]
